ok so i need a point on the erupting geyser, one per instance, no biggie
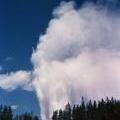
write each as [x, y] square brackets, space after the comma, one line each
[79, 55]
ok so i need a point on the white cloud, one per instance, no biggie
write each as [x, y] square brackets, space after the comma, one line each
[16, 79]
[14, 107]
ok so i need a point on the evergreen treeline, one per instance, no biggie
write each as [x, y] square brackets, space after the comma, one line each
[7, 114]
[108, 109]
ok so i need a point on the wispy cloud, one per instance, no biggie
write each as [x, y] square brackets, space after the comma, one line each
[14, 107]
[7, 59]
[1, 68]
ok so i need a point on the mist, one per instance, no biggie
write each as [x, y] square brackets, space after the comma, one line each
[79, 55]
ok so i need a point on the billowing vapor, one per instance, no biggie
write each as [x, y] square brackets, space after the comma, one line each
[79, 55]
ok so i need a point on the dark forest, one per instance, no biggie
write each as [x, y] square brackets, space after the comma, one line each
[108, 109]
[7, 114]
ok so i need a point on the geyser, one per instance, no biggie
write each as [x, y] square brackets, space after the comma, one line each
[79, 55]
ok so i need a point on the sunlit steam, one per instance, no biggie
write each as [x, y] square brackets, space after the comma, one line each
[79, 55]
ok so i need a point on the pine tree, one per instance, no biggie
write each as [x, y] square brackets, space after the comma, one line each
[60, 115]
[55, 115]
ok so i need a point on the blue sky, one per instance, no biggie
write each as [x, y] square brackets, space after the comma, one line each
[21, 23]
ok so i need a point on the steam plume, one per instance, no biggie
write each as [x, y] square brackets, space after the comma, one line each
[79, 55]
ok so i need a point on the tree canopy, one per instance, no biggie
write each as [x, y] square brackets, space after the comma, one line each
[7, 114]
[108, 109]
